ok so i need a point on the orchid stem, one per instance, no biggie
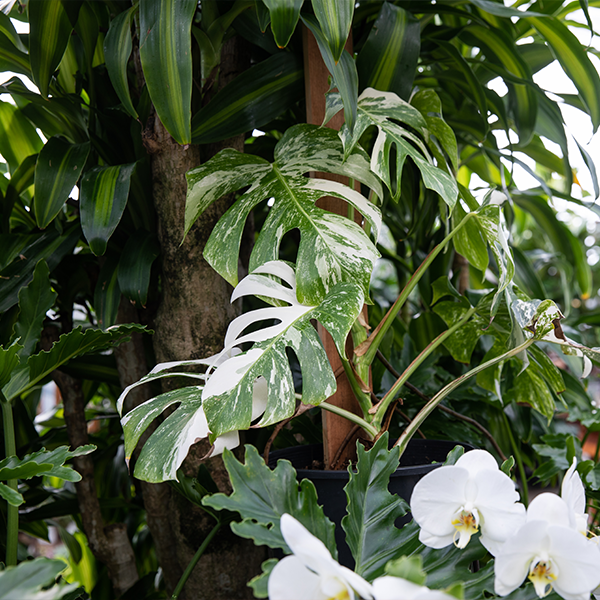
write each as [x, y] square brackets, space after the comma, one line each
[410, 430]
[12, 512]
[520, 467]
[336, 410]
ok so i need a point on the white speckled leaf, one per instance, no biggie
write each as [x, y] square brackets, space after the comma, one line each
[378, 108]
[333, 249]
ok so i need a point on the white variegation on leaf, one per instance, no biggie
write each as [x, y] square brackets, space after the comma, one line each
[382, 110]
[333, 249]
[240, 387]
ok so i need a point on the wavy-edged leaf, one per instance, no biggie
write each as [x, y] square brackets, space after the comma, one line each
[117, 49]
[9, 359]
[68, 346]
[284, 18]
[378, 109]
[166, 57]
[251, 100]
[140, 252]
[35, 300]
[104, 192]
[500, 49]
[262, 495]
[335, 18]
[574, 60]
[31, 578]
[332, 248]
[372, 510]
[11, 496]
[49, 34]
[343, 71]
[18, 138]
[388, 60]
[58, 168]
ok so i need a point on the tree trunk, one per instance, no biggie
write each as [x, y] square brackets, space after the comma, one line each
[191, 322]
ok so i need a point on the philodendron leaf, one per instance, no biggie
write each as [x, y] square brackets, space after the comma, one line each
[58, 168]
[241, 387]
[372, 510]
[262, 495]
[166, 57]
[13, 497]
[104, 192]
[332, 249]
[9, 359]
[69, 345]
[284, 18]
[382, 110]
[117, 49]
[259, 583]
[35, 301]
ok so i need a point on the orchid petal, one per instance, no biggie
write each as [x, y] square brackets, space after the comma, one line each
[573, 493]
[436, 541]
[477, 460]
[291, 574]
[393, 588]
[550, 508]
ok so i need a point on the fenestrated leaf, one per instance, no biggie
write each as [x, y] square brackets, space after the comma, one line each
[388, 60]
[378, 109]
[284, 18]
[251, 100]
[35, 300]
[104, 192]
[18, 138]
[140, 252]
[58, 168]
[68, 346]
[30, 578]
[372, 510]
[574, 60]
[117, 49]
[166, 57]
[49, 34]
[335, 18]
[343, 71]
[262, 495]
[43, 462]
[332, 248]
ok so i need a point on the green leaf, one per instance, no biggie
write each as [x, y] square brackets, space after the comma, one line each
[43, 462]
[442, 287]
[469, 240]
[284, 18]
[589, 162]
[11, 496]
[454, 455]
[332, 248]
[574, 60]
[525, 275]
[117, 49]
[140, 252]
[499, 10]
[530, 387]
[166, 56]
[251, 100]
[58, 168]
[463, 341]
[262, 495]
[9, 359]
[104, 192]
[30, 579]
[107, 294]
[70, 541]
[407, 567]
[263, 16]
[378, 109]
[18, 138]
[13, 58]
[549, 371]
[507, 466]
[68, 346]
[8, 30]
[335, 18]
[49, 34]
[35, 300]
[259, 583]
[388, 60]
[372, 510]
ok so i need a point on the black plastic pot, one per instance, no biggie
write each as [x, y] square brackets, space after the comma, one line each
[419, 458]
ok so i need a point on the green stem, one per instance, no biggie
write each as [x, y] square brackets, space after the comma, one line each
[379, 333]
[12, 512]
[517, 453]
[195, 560]
[412, 427]
[363, 398]
[414, 365]
[336, 410]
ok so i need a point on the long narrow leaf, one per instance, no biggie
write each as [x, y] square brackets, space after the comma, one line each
[335, 18]
[284, 18]
[18, 138]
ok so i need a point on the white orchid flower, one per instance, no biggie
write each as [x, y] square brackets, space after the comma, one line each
[453, 502]
[573, 493]
[550, 553]
[311, 573]
[396, 588]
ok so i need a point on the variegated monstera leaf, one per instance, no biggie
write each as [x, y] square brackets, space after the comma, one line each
[386, 111]
[333, 249]
[239, 387]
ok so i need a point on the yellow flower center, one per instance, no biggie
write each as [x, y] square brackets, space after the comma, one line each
[466, 524]
[542, 576]
[343, 595]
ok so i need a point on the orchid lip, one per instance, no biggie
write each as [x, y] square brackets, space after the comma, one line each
[466, 523]
[542, 573]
